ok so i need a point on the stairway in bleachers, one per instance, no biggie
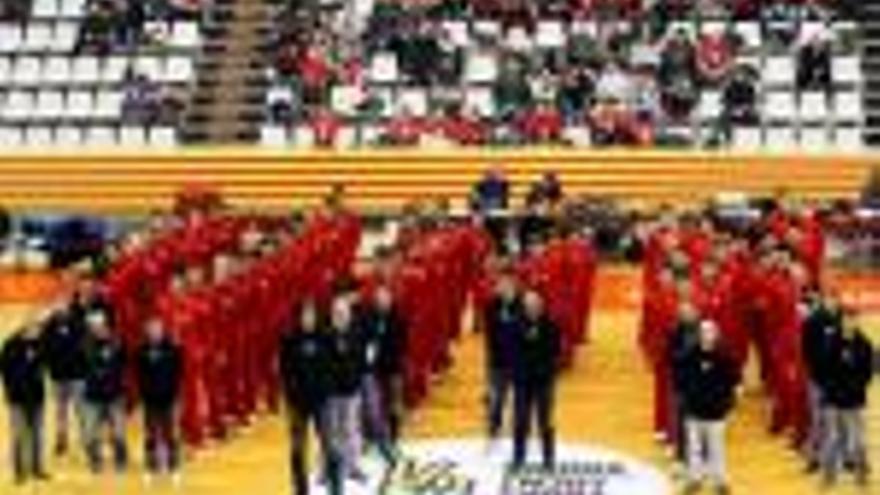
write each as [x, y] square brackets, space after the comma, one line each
[228, 97]
[870, 15]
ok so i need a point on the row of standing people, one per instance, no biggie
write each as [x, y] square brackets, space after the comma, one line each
[749, 293]
[210, 373]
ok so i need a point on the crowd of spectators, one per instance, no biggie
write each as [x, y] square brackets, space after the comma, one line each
[621, 71]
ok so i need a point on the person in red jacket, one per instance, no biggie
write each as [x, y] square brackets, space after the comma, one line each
[542, 125]
[463, 127]
[661, 315]
[405, 129]
[325, 125]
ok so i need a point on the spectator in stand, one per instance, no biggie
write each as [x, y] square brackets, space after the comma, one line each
[739, 97]
[405, 129]
[142, 99]
[315, 73]
[575, 95]
[715, 57]
[491, 192]
[615, 84]
[325, 126]
[511, 90]
[546, 190]
[814, 65]
[541, 125]
[462, 125]
[96, 33]
[678, 59]
[14, 10]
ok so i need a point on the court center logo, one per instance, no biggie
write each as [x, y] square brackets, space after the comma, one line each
[468, 467]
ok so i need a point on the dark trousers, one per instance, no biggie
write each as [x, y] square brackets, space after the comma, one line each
[162, 441]
[380, 416]
[499, 384]
[533, 401]
[299, 419]
[26, 424]
[109, 416]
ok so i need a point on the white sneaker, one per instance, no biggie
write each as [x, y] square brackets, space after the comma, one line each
[148, 480]
[176, 480]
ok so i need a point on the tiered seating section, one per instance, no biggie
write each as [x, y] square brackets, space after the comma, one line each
[96, 73]
[702, 73]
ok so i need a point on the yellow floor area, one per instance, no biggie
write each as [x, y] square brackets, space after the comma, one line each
[605, 400]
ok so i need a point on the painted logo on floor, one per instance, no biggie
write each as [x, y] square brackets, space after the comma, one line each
[471, 467]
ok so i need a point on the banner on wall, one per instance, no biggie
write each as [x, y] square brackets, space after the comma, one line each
[469, 467]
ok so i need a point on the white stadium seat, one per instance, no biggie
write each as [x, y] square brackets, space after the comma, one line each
[162, 137]
[815, 139]
[19, 106]
[481, 68]
[57, 71]
[113, 69]
[273, 136]
[846, 70]
[5, 70]
[68, 136]
[49, 105]
[579, 137]
[487, 29]
[279, 95]
[73, 8]
[100, 137]
[481, 100]
[710, 106]
[11, 38]
[458, 33]
[413, 99]
[45, 9]
[848, 106]
[11, 137]
[813, 107]
[149, 66]
[27, 71]
[85, 70]
[779, 106]
[80, 105]
[38, 37]
[38, 136]
[550, 34]
[384, 69]
[519, 40]
[179, 70]
[345, 99]
[747, 138]
[185, 35]
[779, 70]
[780, 138]
[848, 139]
[108, 104]
[64, 36]
[132, 136]
[303, 136]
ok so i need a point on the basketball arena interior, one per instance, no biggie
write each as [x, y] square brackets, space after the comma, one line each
[639, 237]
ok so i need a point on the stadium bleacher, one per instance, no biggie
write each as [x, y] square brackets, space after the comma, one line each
[59, 89]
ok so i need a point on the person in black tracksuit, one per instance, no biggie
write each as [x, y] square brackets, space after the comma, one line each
[536, 351]
[305, 367]
[844, 385]
[384, 344]
[159, 373]
[504, 318]
[821, 334]
[23, 369]
[708, 379]
[104, 393]
[64, 335]
[684, 339]
[341, 415]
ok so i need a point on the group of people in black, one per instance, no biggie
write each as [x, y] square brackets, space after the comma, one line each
[523, 354]
[342, 375]
[75, 345]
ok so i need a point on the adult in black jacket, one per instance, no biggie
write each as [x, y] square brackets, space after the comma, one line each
[104, 393]
[504, 318]
[305, 369]
[159, 372]
[820, 335]
[536, 353]
[384, 344]
[844, 392]
[23, 368]
[347, 369]
[708, 382]
[684, 339]
[63, 339]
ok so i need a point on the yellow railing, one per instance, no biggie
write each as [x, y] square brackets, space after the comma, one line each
[135, 182]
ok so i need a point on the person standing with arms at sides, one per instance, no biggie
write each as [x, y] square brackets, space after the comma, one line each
[22, 366]
[819, 337]
[104, 394]
[503, 323]
[683, 340]
[709, 379]
[63, 339]
[844, 392]
[384, 340]
[159, 370]
[536, 353]
[341, 413]
[305, 367]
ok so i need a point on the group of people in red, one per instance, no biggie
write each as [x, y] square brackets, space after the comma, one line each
[749, 287]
